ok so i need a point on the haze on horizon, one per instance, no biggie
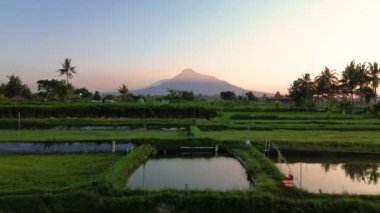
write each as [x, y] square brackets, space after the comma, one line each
[258, 45]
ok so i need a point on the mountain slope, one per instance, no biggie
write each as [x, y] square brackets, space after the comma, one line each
[192, 81]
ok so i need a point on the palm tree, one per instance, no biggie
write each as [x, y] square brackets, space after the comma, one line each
[363, 78]
[124, 91]
[326, 83]
[362, 74]
[308, 84]
[349, 79]
[67, 70]
[374, 72]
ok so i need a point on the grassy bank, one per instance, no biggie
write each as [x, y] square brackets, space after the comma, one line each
[123, 167]
[86, 135]
[366, 137]
[46, 123]
[184, 201]
[265, 175]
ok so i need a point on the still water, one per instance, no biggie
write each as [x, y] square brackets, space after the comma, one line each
[334, 173]
[191, 171]
[15, 147]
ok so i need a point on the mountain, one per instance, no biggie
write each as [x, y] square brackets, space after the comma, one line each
[190, 80]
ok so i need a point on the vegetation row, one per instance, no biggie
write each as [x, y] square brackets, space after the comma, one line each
[107, 110]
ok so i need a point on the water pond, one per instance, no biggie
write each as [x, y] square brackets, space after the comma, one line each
[333, 172]
[20, 147]
[190, 171]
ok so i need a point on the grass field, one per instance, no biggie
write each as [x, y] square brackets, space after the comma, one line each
[292, 115]
[86, 135]
[48, 172]
[295, 136]
[46, 123]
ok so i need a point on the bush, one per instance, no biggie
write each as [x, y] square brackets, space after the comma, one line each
[346, 106]
[376, 108]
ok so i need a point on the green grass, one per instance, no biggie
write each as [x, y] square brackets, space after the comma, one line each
[44, 123]
[266, 175]
[292, 121]
[292, 116]
[125, 166]
[86, 135]
[184, 201]
[294, 137]
[47, 172]
[293, 126]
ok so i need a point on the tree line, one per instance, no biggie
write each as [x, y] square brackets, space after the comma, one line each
[357, 82]
[63, 90]
[55, 89]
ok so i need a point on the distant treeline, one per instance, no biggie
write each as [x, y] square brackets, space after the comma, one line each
[107, 110]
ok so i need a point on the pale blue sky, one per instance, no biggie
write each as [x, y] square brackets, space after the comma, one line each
[259, 45]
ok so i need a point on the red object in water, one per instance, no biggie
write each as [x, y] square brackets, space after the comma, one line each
[289, 177]
[287, 181]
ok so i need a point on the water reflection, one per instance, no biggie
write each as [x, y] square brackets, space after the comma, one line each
[47, 147]
[190, 172]
[362, 172]
[334, 173]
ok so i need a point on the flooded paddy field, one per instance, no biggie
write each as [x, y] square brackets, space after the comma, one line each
[332, 172]
[190, 171]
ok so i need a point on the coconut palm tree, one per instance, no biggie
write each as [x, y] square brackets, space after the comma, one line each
[350, 79]
[374, 72]
[124, 92]
[362, 74]
[308, 84]
[326, 83]
[363, 78]
[67, 70]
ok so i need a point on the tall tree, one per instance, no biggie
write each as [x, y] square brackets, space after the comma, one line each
[374, 72]
[16, 87]
[67, 70]
[228, 95]
[251, 97]
[2, 88]
[96, 96]
[302, 89]
[350, 79]
[364, 80]
[2, 93]
[362, 75]
[326, 83]
[124, 92]
[53, 89]
[83, 93]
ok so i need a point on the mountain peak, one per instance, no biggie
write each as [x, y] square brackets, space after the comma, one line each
[189, 71]
[191, 80]
[191, 75]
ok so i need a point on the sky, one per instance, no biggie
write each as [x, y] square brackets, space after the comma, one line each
[256, 44]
